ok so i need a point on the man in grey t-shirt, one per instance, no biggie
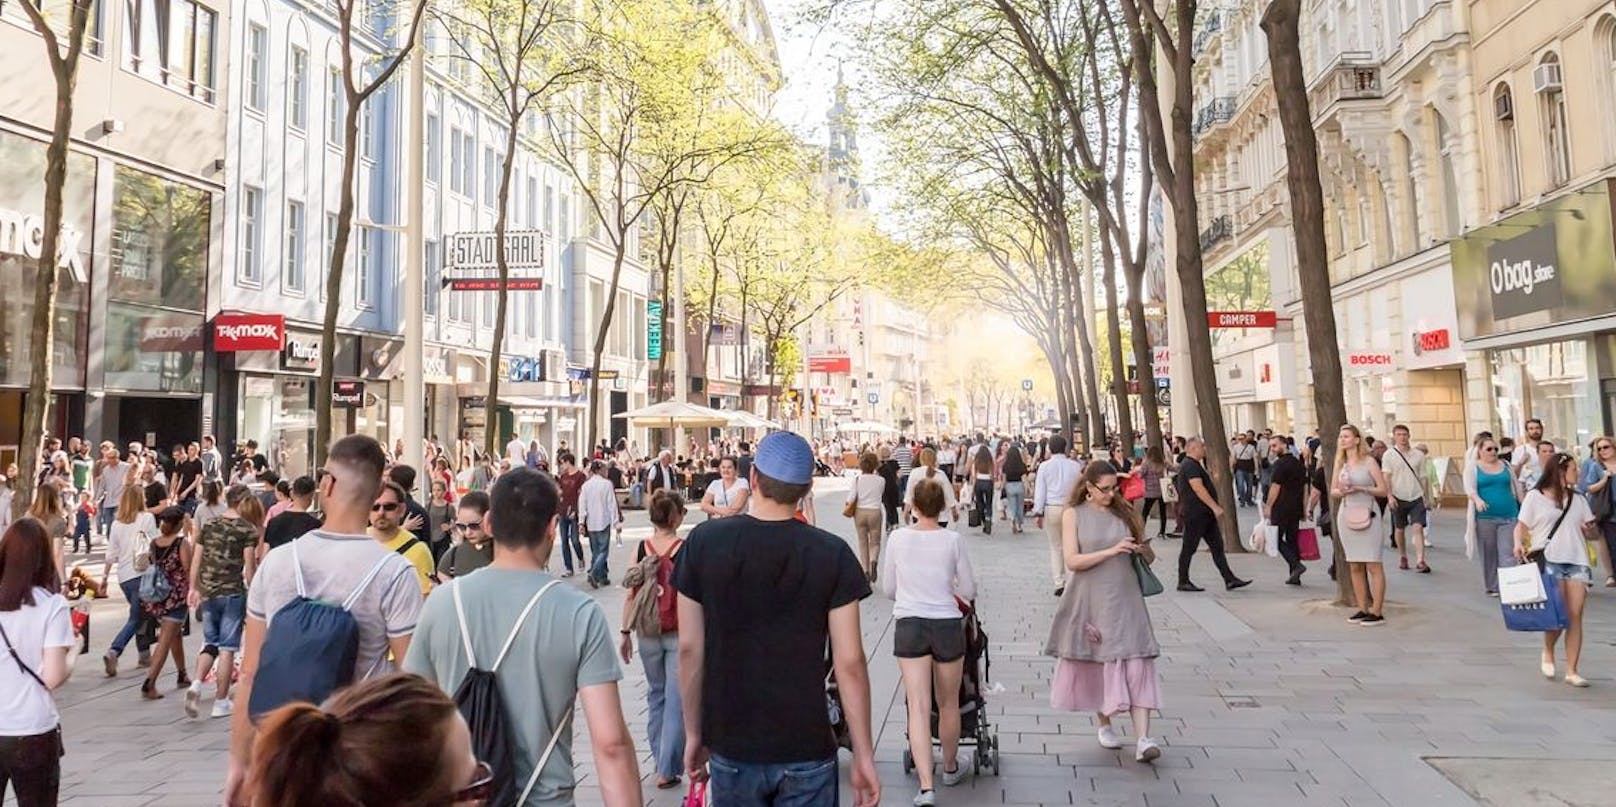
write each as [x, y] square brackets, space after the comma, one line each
[562, 651]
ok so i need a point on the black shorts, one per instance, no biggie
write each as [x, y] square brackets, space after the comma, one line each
[1405, 513]
[941, 639]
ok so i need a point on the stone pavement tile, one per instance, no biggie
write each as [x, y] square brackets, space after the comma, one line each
[70, 800]
[1180, 800]
[1251, 758]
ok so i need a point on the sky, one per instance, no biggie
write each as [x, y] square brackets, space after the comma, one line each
[808, 57]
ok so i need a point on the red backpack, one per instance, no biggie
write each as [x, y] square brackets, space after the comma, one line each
[667, 597]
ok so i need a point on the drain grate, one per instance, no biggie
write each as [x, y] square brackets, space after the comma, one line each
[1240, 702]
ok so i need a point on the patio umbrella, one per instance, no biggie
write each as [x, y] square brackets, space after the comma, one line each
[865, 427]
[674, 415]
[742, 419]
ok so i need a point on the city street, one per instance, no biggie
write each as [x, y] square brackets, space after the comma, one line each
[1271, 699]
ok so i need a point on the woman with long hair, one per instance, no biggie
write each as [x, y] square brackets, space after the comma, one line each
[927, 469]
[132, 528]
[36, 630]
[1013, 472]
[393, 741]
[1358, 482]
[924, 569]
[1102, 638]
[47, 509]
[1596, 482]
[1554, 522]
[864, 496]
[1154, 471]
[171, 557]
[659, 642]
[1495, 503]
[211, 506]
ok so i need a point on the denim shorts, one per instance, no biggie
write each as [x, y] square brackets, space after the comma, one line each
[222, 619]
[1570, 571]
[751, 784]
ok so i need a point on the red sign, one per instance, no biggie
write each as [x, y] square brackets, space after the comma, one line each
[170, 334]
[1241, 319]
[492, 284]
[238, 332]
[1432, 341]
[1369, 359]
[830, 363]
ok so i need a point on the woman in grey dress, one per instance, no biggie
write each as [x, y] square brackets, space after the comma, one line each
[1357, 483]
[1101, 637]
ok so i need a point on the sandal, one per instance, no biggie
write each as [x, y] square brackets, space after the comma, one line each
[667, 784]
[1576, 680]
[1423, 568]
[148, 690]
[1402, 563]
[1610, 582]
[182, 681]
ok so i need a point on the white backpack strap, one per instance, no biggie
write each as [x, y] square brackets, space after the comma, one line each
[515, 629]
[297, 572]
[548, 750]
[348, 604]
[460, 616]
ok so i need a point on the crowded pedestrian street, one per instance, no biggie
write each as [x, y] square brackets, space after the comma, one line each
[1271, 700]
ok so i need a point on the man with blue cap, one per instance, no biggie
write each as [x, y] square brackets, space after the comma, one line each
[759, 595]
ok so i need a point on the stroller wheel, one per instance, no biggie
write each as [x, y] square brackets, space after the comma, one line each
[908, 762]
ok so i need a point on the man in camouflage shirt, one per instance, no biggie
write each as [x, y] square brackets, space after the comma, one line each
[226, 551]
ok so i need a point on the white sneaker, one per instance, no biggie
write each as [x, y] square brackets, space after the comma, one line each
[223, 708]
[193, 699]
[1109, 738]
[951, 779]
[925, 798]
[1147, 750]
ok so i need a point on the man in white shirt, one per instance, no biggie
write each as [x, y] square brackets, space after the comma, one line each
[516, 451]
[662, 475]
[1528, 466]
[598, 514]
[212, 460]
[1057, 478]
[1409, 473]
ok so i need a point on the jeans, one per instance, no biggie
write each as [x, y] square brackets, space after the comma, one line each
[33, 766]
[1015, 494]
[569, 542]
[108, 515]
[1608, 530]
[1495, 539]
[600, 545]
[982, 500]
[790, 784]
[1244, 482]
[1197, 527]
[664, 720]
[131, 628]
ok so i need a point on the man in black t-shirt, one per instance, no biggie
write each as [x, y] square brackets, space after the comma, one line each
[759, 595]
[187, 477]
[295, 521]
[1201, 513]
[1286, 504]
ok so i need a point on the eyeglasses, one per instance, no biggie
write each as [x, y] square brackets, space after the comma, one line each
[471, 526]
[481, 787]
[1104, 488]
[1606, 447]
[1490, 449]
[380, 506]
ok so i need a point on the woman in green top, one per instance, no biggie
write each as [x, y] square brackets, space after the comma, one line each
[1496, 506]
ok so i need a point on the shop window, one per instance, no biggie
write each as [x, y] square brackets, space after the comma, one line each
[160, 238]
[1549, 382]
[24, 159]
[152, 349]
[1508, 145]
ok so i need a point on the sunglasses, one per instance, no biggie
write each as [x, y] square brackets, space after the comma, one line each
[1606, 447]
[481, 787]
[475, 525]
[1490, 449]
[380, 506]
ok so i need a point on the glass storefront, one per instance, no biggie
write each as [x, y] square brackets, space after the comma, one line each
[278, 412]
[1550, 382]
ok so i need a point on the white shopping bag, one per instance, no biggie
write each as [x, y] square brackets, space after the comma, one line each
[1258, 537]
[1521, 585]
[1270, 540]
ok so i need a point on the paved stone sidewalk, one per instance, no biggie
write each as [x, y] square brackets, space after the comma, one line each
[1272, 699]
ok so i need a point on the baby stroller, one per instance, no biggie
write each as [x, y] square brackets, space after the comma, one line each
[975, 729]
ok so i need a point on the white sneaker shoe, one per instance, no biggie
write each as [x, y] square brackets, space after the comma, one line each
[193, 699]
[958, 775]
[925, 798]
[1109, 738]
[1147, 750]
[223, 708]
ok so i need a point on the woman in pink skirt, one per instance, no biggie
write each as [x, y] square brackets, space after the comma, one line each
[1102, 638]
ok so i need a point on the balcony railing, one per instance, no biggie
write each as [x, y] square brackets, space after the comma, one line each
[1221, 229]
[1218, 110]
[1211, 26]
[1351, 77]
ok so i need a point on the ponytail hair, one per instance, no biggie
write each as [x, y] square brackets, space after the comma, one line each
[379, 742]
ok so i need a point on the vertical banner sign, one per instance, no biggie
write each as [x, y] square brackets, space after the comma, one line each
[653, 329]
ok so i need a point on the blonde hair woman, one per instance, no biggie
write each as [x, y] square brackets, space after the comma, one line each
[132, 528]
[927, 469]
[1357, 483]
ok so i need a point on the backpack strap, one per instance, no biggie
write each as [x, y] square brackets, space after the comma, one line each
[538, 768]
[348, 603]
[407, 545]
[517, 628]
[465, 632]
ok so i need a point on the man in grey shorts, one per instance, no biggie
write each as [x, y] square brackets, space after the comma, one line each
[1408, 471]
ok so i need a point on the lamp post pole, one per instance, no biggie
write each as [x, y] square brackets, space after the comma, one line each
[414, 263]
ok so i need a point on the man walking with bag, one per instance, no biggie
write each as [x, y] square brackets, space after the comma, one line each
[1286, 503]
[1408, 470]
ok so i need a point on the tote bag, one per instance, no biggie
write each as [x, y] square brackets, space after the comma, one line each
[1550, 614]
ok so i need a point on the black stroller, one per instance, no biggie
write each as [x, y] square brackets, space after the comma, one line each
[975, 729]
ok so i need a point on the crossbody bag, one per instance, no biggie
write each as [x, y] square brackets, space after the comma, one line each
[61, 748]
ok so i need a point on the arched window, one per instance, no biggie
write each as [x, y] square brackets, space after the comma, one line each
[1445, 147]
[1605, 79]
[1547, 80]
[1508, 147]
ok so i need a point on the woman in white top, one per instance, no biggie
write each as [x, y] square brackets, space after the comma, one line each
[864, 496]
[924, 569]
[132, 529]
[726, 495]
[1553, 524]
[927, 469]
[210, 507]
[36, 635]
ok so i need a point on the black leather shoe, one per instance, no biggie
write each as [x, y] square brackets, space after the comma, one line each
[1237, 583]
[1189, 587]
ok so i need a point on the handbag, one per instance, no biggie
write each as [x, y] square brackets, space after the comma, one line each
[1307, 542]
[1149, 584]
[1521, 585]
[850, 508]
[1356, 517]
[1537, 617]
[1134, 489]
[1270, 540]
[1170, 488]
[142, 552]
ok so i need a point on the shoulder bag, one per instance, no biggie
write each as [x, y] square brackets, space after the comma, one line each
[1536, 555]
[1600, 503]
[1149, 584]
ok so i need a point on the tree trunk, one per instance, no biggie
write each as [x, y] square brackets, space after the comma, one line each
[1280, 24]
[492, 437]
[333, 282]
[1113, 328]
[1133, 267]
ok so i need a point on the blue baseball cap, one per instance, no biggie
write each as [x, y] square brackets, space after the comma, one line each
[785, 456]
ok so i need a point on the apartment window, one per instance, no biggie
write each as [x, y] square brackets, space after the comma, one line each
[1509, 160]
[468, 165]
[532, 203]
[362, 278]
[491, 172]
[294, 246]
[434, 149]
[549, 208]
[1556, 136]
[173, 43]
[487, 306]
[456, 158]
[1605, 78]
[256, 40]
[252, 215]
[336, 107]
[565, 230]
[298, 102]
[432, 273]
[367, 130]
[329, 250]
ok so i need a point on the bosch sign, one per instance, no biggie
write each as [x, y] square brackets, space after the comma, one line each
[241, 332]
[1369, 359]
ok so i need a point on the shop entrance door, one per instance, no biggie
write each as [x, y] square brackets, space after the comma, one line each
[619, 404]
[1607, 395]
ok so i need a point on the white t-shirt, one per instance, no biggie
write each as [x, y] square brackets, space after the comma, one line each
[26, 708]
[924, 570]
[919, 473]
[122, 541]
[516, 450]
[1566, 545]
[867, 490]
[724, 497]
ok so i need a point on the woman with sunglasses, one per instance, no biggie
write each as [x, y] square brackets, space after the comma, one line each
[1102, 637]
[393, 741]
[1496, 507]
[1595, 482]
[1554, 522]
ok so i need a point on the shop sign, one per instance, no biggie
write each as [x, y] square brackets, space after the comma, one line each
[493, 284]
[653, 329]
[830, 362]
[1242, 319]
[524, 249]
[1432, 341]
[242, 332]
[347, 394]
[872, 398]
[301, 353]
[1366, 360]
[724, 333]
[1523, 273]
[24, 234]
[524, 368]
[166, 334]
[1161, 361]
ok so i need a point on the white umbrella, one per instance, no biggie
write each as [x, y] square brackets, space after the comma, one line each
[865, 427]
[742, 419]
[674, 414]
